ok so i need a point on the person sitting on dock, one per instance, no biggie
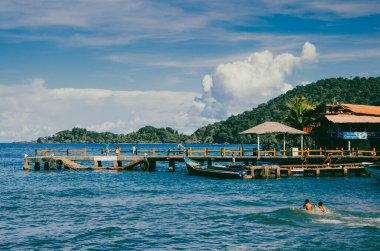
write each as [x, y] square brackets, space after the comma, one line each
[308, 205]
[180, 148]
[321, 207]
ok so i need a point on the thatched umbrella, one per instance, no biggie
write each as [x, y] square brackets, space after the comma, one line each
[273, 127]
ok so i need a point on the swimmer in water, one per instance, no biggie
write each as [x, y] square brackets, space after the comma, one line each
[308, 206]
[321, 208]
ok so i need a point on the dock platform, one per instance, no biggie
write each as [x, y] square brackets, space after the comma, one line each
[280, 166]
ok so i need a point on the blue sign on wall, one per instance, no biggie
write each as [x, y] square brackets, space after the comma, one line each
[355, 135]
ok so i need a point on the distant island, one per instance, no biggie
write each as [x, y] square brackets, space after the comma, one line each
[365, 91]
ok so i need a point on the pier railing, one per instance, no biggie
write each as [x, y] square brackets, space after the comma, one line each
[66, 152]
[223, 152]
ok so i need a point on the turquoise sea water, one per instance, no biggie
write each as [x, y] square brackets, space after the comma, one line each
[131, 210]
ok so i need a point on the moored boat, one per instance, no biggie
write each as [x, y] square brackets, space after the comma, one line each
[373, 169]
[216, 171]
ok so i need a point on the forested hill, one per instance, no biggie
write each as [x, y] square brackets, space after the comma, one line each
[147, 134]
[365, 91]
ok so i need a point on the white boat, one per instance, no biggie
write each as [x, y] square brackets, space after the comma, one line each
[373, 169]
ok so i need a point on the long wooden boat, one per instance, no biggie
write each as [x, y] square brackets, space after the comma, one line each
[373, 169]
[216, 171]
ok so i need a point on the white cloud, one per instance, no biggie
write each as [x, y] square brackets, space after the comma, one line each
[241, 85]
[305, 82]
[31, 110]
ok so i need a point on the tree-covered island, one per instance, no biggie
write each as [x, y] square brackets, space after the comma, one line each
[365, 91]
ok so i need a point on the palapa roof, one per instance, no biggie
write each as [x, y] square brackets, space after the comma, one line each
[348, 118]
[362, 109]
[272, 127]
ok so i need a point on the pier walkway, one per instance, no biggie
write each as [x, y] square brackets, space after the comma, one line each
[267, 164]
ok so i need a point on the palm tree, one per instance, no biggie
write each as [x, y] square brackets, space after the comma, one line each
[300, 112]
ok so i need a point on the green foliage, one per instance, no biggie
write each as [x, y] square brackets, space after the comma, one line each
[147, 134]
[365, 91]
[299, 112]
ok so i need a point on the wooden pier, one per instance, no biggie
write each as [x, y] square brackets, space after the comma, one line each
[280, 165]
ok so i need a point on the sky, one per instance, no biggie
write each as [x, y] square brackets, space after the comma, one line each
[119, 65]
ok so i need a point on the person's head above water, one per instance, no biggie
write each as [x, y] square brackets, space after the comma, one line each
[320, 204]
[306, 201]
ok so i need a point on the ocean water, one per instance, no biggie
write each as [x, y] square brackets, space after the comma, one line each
[133, 210]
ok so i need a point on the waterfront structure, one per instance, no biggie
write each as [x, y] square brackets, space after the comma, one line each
[274, 128]
[348, 126]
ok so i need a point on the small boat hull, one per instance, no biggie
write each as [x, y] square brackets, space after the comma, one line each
[221, 172]
[373, 169]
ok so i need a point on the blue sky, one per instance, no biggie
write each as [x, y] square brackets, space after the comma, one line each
[120, 65]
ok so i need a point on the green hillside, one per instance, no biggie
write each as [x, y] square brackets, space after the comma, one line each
[147, 134]
[365, 91]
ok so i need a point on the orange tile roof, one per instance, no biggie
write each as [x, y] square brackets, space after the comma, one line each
[363, 109]
[347, 118]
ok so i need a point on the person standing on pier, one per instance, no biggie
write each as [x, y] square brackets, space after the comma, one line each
[327, 159]
[134, 150]
[117, 150]
[233, 158]
[107, 150]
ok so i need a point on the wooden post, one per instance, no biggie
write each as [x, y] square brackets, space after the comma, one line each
[345, 171]
[274, 151]
[37, 166]
[46, 165]
[258, 146]
[374, 152]
[317, 172]
[342, 151]
[154, 152]
[59, 164]
[171, 165]
[46, 151]
[278, 172]
[320, 150]
[253, 172]
[190, 152]
[52, 164]
[152, 165]
[223, 152]
[265, 172]
[289, 171]
[26, 165]
[205, 151]
[85, 152]
[240, 151]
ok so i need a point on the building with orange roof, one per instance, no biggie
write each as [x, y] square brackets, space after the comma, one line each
[349, 126]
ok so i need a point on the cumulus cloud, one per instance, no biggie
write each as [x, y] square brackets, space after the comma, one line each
[241, 85]
[32, 110]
